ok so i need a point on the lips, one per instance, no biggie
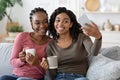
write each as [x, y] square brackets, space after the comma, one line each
[60, 28]
[42, 30]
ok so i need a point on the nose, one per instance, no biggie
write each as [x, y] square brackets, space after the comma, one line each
[42, 25]
[61, 23]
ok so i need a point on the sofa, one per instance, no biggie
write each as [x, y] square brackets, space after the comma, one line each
[105, 66]
[5, 53]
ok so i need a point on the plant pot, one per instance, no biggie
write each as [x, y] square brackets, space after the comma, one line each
[13, 34]
[11, 24]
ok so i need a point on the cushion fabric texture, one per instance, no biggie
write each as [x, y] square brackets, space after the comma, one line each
[105, 66]
[5, 52]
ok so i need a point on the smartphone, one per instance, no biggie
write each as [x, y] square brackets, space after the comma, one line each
[83, 20]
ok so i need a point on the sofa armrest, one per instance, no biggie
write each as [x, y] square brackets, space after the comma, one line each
[5, 53]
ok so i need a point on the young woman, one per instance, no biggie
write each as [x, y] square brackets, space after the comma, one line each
[27, 66]
[72, 45]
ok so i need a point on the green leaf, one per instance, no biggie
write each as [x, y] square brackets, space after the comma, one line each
[4, 4]
[15, 29]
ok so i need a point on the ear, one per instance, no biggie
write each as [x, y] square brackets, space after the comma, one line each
[32, 25]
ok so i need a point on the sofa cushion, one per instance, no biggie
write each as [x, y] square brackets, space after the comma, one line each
[111, 52]
[103, 68]
[5, 52]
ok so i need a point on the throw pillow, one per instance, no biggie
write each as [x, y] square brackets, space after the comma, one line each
[111, 52]
[103, 68]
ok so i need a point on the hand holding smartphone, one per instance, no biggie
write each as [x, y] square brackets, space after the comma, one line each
[83, 20]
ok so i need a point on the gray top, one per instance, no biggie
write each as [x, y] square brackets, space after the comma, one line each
[75, 58]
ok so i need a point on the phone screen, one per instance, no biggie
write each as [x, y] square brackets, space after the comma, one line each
[83, 20]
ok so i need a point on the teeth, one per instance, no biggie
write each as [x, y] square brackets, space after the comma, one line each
[42, 30]
[60, 28]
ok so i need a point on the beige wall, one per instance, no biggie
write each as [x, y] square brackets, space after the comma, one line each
[21, 14]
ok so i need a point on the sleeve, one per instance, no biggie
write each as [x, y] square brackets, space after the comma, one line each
[49, 50]
[92, 47]
[50, 72]
[17, 48]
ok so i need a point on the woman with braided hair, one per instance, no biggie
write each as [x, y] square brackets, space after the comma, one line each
[27, 66]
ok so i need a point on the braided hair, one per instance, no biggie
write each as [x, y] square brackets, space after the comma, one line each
[35, 10]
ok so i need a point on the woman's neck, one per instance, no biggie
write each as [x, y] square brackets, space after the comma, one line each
[65, 37]
[64, 41]
[38, 39]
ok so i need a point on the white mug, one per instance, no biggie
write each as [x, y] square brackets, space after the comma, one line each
[53, 62]
[31, 50]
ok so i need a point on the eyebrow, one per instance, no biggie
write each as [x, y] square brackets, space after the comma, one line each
[42, 20]
[63, 18]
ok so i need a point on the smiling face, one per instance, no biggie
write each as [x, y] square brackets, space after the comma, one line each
[39, 23]
[62, 23]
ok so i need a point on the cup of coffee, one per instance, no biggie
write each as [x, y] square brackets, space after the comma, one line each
[32, 51]
[53, 62]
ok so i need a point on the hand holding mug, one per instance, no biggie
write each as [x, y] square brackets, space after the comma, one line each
[22, 56]
[44, 63]
[32, 60]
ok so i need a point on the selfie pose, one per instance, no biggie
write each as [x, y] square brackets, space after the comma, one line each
[27, 66]
[72, 45]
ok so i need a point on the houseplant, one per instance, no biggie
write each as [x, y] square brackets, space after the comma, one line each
[14, 30]
[4, 4]
[6, 7]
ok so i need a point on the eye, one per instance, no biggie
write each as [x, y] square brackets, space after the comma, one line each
[66, 21]
[57, 20]
[45, 22]
[37, 23]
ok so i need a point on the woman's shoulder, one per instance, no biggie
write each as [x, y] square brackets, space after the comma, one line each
[23, 35]
[51, 42]
[48, 38]
[83, 36]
